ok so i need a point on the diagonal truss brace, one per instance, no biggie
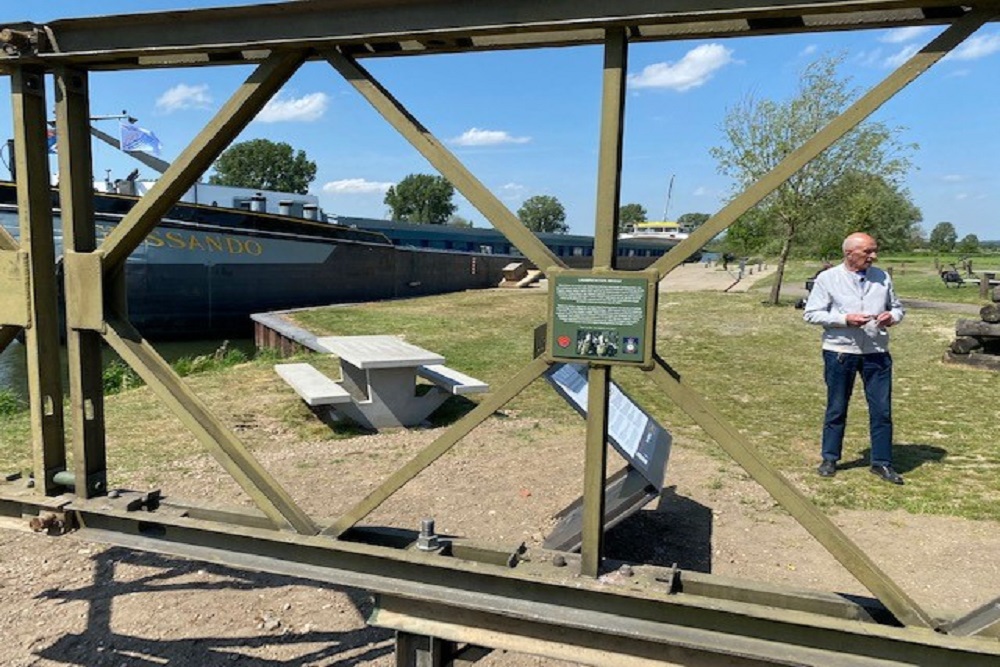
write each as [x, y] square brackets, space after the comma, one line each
[870, 102]
[443, 160]
[440, 446]
[232, 454]
[791, 499]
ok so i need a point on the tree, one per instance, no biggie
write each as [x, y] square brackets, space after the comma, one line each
[421, 199]
[943, 237]
[264, 165]
[629, 215]
[692, 221]
[969, 245]
[760, 133]
[868, 203]
[458, 221]
[543, 213]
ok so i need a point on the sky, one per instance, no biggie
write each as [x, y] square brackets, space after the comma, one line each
[527, 122]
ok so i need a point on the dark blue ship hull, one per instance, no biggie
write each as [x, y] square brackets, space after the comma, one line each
[204, 270]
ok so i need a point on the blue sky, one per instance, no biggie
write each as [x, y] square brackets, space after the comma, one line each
[527, 122]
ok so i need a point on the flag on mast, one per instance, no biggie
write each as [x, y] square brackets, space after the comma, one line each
[135, 138]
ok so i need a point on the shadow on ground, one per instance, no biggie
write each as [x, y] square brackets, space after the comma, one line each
[678, 530]
[906, 457]
[101, 646]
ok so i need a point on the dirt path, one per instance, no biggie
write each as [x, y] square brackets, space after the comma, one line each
[68, 602]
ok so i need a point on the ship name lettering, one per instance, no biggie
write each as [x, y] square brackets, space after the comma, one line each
[209, 243]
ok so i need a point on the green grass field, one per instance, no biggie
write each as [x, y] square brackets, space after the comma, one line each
[758, 365]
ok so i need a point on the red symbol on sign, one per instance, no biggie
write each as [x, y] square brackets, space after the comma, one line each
[563, 341]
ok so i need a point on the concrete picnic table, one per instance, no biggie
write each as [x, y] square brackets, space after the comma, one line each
[380, 373]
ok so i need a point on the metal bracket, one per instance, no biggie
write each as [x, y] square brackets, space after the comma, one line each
[15, 288]
[84, 284]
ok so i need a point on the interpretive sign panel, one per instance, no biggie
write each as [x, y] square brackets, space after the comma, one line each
[631, 431]
[604, 317]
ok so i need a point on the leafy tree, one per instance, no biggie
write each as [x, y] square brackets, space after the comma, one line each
[969, 245]
[630, 214]
[458, 221]
[943, 237]
[422, 199]
[543, 213]
[692, 220]
[760, 133]
[868, 203]
[265, 165]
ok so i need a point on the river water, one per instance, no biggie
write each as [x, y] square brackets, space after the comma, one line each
[13, 360]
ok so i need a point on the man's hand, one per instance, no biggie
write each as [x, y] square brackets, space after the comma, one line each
[885, 320]
[859, 319]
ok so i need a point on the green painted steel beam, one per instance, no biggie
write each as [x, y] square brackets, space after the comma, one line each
[609, 168]
[938, 48]
[496, 400]
[8, 334]
[227, 449]
[594, 471]
[536, 599]
[238, 111]
[7, 242]
[34, 205]
[444, 161]
[83, 348]
[393, 27]
[15, 289]
[790, 498]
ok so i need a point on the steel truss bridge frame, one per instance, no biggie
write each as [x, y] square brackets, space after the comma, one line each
[457, 593]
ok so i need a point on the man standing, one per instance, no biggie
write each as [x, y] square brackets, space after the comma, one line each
[855, 304]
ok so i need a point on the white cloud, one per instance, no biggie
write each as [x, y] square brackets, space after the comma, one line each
[962, 195]
[901, 56]
[355, 186]
[976, 47]
[694, 69]
[809, 50]
[952, 178]
[477, 137]
[702, 191]
[512, 191]
[302, 110]
[183, 96]
[901, 35]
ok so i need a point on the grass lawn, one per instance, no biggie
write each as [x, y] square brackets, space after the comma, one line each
[759, 365]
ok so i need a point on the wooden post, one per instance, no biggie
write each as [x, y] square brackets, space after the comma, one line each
[984, 285]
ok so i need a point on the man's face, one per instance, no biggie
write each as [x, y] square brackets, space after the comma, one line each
[862, 255]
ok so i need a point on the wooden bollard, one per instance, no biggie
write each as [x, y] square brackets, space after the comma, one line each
[984, 285]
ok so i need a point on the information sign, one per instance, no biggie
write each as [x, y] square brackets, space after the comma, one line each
[604, 317]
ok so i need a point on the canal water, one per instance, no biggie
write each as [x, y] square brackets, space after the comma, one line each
[13, 360]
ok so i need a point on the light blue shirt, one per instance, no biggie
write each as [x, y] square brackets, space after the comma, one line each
[839, 291]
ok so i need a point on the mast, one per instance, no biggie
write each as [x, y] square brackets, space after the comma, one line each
[670, 191]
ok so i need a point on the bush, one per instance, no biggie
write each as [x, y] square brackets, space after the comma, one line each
[10, 403]
[118, 377]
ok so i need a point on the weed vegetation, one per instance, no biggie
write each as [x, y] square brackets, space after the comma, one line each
[759, 366]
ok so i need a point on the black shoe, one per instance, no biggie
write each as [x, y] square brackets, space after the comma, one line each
[887, 473]
[827, 468]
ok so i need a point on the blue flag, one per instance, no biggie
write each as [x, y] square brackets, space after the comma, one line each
[135, 138]
[51, 135]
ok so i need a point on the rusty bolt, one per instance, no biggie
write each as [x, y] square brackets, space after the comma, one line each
[46, 521]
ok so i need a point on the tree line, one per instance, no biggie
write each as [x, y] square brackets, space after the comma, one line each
[854, 185]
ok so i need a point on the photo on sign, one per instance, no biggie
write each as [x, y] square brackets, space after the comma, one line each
[597, 343]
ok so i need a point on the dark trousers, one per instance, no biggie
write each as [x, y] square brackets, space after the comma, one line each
[839, 371]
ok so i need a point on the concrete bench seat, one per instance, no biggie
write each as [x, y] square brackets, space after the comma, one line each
[309, 383]
[448, 378]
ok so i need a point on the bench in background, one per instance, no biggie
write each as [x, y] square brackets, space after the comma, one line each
[309, 383]
[453, 381]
